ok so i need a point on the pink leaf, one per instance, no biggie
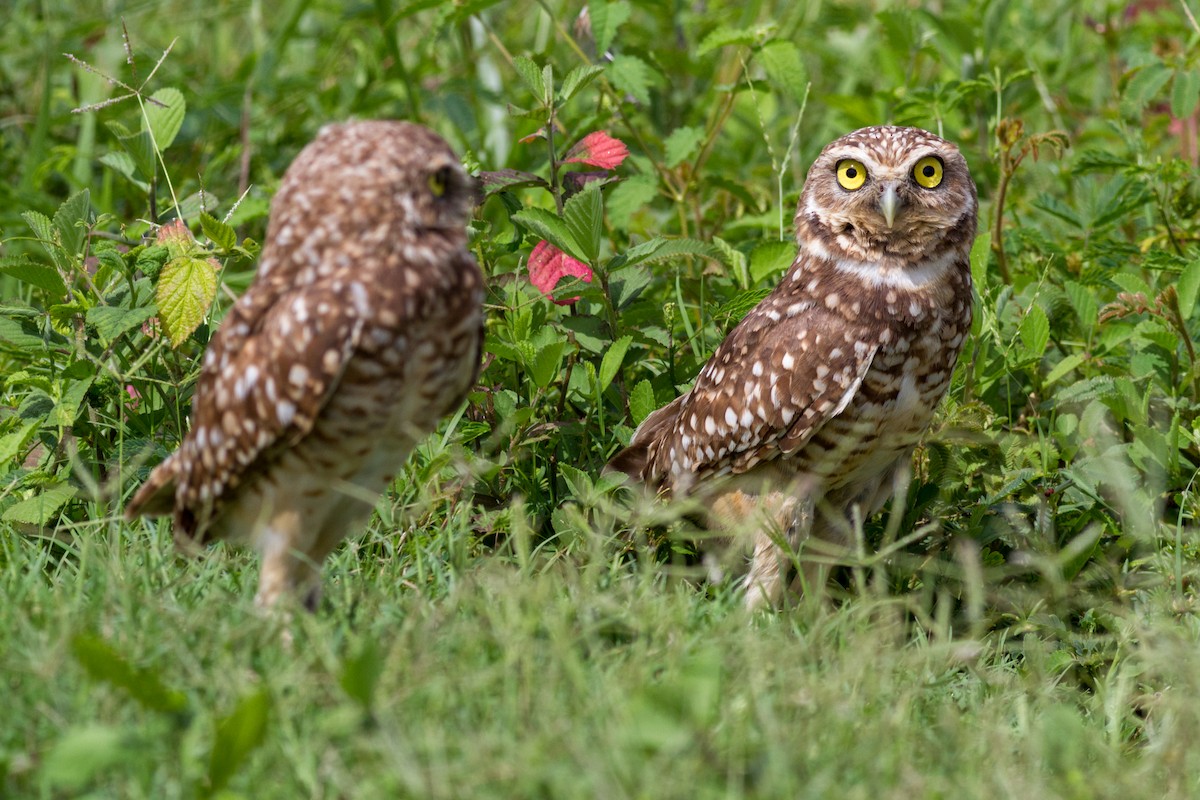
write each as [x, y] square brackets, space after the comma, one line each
[598, 149]
[548, 265]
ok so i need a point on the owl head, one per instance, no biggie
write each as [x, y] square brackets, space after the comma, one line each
[887, 192]
[403, 181]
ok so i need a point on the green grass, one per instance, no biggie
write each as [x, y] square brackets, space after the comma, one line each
[565, 679]
[1024, 624]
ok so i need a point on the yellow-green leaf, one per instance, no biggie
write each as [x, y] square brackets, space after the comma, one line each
[165, 121]
[186, 288]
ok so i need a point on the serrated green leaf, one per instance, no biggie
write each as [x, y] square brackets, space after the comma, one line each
[770, 259]
[1187, 288]
[626, 285]
[532, 76]
[627, 197]
[550, 228]
[220, 234]
[42, 276]
[606, 19]
[13, 444]
[361, 673]
[67, 407]
[81, 754]
[186, 289]
[584, 218]
[1063, 367]
[1035, 331]
[138, 146]
[781, 60]
[613, 358]
[631, 75]
[112, 321]
[1146, 84]
[44, 231]
[725, 36]
[681, 144]
[71, 222]
[577, 79]
[152, 259]
[578, 482]
[165, 122]
[121, 162]
[41, 508]
[238, 735]
[733, 258]
[1083, 301]
[641, 401]
[105, 663]
[1185, 93]
[546, 363]
[505, 179]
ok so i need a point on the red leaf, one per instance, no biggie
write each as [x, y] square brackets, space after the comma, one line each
[548, 265]
[598, 149]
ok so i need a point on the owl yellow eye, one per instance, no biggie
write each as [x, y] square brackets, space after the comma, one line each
[928, 172]
[438, 181]
[851, 174]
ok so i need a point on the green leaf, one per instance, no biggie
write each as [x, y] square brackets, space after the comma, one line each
[41, 508]
[238, 735]
[658, 250]
[980, 252]
[1185, 93]
[631, 75]
[550, 228]
[781, 60]
[138, 146]
[627, 285]
[545, 365]
[81, 754]
[1063, 367]
[13, 444]
[725, 36]
[112, 321]
[613, 358]
[577, 79]
[629, 196]
[641, 401]
[733, 258]
[533, 77]
[40, 225]
[186, 289]
[505, 179]
[681, 144]
[584, 218]
[1146, 84]
[67, 407]
[71, 222]
[606, 19]
[1035, 331]
[43, 276]
[770, 259]
[165, 123]
[1187, 289]
[220, 234]
[360, 674]
[106, 664]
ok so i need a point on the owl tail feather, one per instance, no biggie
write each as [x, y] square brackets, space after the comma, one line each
[156, 498]
[635, 460]
[632, 461]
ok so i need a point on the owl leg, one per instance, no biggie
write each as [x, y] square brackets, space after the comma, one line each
[277, 543]
[785, 520]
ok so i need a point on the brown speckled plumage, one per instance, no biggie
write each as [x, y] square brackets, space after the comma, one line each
[814, 402]
[361, 330]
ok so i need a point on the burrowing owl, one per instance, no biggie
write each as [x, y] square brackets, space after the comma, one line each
[361, 330]
[813, 403]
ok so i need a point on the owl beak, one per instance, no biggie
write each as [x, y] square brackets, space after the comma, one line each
[889, 203]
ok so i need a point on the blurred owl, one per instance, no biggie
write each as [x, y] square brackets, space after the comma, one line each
[811, 407]
[362, 329]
